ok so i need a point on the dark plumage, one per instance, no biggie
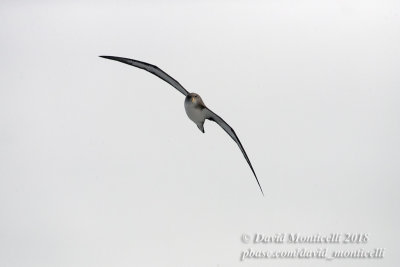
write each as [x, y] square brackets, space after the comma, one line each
[194, 105]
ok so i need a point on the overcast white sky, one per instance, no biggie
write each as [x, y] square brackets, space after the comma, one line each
[100, 166]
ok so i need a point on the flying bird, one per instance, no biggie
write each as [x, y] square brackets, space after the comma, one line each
[195, 108]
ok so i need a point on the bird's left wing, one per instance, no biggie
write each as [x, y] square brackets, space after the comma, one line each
[228, 129]
[152, 69]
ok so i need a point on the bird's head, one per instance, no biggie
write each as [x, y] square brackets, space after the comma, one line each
[195, 99]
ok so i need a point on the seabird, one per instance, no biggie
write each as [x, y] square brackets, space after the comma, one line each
[195, 108]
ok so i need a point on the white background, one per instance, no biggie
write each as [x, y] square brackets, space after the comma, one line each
[100, 166]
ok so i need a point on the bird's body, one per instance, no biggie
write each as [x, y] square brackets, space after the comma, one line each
[195, 108]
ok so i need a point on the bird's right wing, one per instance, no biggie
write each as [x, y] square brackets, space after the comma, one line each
[152, 69]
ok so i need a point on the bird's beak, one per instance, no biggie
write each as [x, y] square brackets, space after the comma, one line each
[192, 99]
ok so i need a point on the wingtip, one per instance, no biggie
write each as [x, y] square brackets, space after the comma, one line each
[262, 192]
[258, 182]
